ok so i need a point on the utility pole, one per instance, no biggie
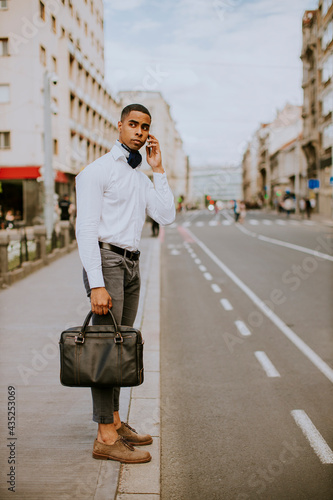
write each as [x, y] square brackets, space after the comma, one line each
[48, 153]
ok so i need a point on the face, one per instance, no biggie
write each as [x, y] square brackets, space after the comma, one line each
[134, 130]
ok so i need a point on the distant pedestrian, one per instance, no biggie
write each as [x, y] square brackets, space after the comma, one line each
[302, 207]
[155, 227]
[237, 210]
[308, 208]
[288, 205]
[242, 214]
[10, 219]
[65, 207]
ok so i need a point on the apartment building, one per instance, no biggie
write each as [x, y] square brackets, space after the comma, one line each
[317, 58]
[60, 44]
[164, 129]
[274, 161]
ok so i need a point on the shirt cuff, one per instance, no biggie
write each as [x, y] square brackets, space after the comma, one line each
[160, 178]
[95, 279]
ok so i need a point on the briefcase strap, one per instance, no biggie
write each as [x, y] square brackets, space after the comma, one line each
[79, 339]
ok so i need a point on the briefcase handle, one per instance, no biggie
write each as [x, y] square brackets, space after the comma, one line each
[79, 339]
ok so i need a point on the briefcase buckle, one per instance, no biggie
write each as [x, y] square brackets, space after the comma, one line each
[118, 339]
[79, 339]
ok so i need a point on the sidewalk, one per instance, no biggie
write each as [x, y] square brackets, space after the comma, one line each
[322, 219]
[52, 446]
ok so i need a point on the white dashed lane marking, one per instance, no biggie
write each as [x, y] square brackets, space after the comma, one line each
[316, 440]
[216, 288]
[266, 363]
[202, 268]
[208, 276]
[226, 304]
[242, 328]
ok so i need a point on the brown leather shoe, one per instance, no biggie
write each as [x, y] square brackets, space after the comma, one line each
[132, 436]
[121, 451]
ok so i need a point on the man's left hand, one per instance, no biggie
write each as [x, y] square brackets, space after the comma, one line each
[155, 157]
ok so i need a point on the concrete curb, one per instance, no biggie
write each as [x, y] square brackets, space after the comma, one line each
[144, 408]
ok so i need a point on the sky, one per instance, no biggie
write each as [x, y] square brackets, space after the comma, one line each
[224, 66]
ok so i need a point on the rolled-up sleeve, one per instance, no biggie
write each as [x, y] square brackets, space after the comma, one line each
[89, 199]
[160, 200]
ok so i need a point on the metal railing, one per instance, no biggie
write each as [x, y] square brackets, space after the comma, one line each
[24, 249]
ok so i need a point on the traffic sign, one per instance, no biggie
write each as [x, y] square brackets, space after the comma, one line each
[314, 184]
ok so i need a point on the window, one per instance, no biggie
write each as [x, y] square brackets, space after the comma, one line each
[4, 93]
[4, 47]
[326, 5]
[78, 20]
[92, 6]
[55, 146]
[327, 70]
[327, 104]
[327, 36]
[42, 55]
[42, 10]
[54, 64]
[86, 29]
[63, 32]
[3, 4]
[4, 140]
[328, 136]
[54, 24]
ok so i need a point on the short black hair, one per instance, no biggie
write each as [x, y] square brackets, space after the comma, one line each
[134, 107]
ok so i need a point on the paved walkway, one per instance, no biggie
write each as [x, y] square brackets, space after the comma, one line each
[52, 444]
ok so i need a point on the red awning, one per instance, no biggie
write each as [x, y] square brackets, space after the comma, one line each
[27, 172]
[61, 177]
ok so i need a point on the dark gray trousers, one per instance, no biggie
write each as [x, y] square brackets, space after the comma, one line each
[122, 281]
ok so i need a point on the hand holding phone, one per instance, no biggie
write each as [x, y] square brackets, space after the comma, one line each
[154, 157]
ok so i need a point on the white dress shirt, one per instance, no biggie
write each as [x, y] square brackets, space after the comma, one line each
[112, 202]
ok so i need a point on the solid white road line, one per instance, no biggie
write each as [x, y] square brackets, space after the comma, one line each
[288, 332]
[202, 268]
[314, 437]
[266, 363]
[208, 276]
[216, 288]
[197, 261]
[296, 247]
[242, 328]
[226, 304]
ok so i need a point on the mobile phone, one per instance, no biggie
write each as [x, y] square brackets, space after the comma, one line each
[149, 148]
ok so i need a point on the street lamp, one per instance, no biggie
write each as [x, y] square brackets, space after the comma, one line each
[48, 173]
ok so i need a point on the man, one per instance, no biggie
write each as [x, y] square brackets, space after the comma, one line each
[65, 207]
[113, 197]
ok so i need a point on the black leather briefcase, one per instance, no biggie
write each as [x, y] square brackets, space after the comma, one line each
[101, 355]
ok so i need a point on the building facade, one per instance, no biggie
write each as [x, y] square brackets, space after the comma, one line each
[163, 127]
[274, 162]
[60, 44]
[317, 58]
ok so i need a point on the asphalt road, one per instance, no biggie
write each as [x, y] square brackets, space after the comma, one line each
[246, 358]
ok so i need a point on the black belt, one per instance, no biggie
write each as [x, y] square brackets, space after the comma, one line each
[121, 251]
